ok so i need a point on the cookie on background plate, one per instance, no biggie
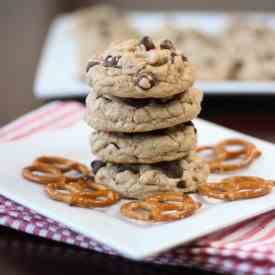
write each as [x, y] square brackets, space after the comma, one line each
[150, 147]
[94, 28]
[140, 180]
[204, 50]
[140, 69]
[107, 113]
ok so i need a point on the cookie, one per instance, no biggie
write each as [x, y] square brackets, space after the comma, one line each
[140, 69]
[239, 37]
[151, 147]
[205, 51]
[138, 181]
[141, 115]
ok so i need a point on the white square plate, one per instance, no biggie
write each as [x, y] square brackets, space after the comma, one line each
[56, 75]
[133, 239]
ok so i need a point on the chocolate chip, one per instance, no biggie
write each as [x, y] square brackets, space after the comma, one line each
[127, 167]
[96, 165]
[173, 55]
[137, 102]
[235, 69]
[108, 99]
[145, 81]
[171, 169]
[181, 184]
[115, 145]
[190, 123]
[88, 177]
[148, 43]
[184, 58]
[167, 45]
[91, 64]
[111, 61]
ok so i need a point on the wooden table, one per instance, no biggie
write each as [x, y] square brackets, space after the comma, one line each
[22, 254]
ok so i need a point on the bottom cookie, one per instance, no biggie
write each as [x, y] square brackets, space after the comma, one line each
[140, 180]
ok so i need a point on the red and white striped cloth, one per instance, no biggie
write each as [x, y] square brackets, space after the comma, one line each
[246, 248]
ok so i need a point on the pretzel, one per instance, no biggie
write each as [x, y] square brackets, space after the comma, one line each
[139, 210]
[62, 164]
[214, 156]
[162, 207]
[222, 147]
[183, 206]
[247, 155]
[85, 185]
[176, 198]
[82, 193]
[46, 174]
[82, 169]
[236, 188]
[65, 166]
[220, 154]
[54, 167]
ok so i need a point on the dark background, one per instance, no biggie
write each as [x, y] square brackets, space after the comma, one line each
[23, 27]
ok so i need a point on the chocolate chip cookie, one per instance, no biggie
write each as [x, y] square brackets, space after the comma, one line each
[151, 147]
[109, 113]
[140, 69]
[137, 181]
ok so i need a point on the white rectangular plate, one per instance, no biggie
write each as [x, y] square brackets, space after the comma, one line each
[130, 238]
[57, 71]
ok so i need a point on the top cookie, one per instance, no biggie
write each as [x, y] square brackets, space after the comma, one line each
[140, 69]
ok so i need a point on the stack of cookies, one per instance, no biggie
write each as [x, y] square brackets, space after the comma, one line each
[141, 107]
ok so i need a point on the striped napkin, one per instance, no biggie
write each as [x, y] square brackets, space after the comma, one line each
[246, 248]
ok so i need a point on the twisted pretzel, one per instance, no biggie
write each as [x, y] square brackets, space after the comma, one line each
[236, 188]
[162, 207]
[139, 210]
[66, 166]
[55, 169]
[214, 156]
[220, 154]
[183, 206]
[43, 174]
[82, 169]
[82, 193]
[177, 198]
[222, 147]
[62, 164]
